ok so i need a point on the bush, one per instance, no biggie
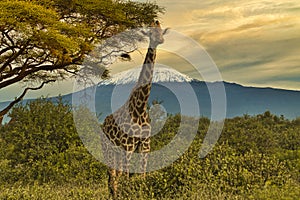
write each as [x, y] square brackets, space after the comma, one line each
[42, 157]
[41, 144]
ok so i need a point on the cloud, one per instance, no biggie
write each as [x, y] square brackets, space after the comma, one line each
[252, 42]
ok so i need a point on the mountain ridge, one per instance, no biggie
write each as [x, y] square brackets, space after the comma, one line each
[161, 74]
[240, 99]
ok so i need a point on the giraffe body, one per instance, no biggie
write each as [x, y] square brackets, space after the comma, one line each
[129, 127]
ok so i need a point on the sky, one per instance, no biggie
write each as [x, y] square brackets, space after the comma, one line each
[253, 42]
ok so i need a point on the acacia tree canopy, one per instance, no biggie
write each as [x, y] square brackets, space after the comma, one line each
[46, 40]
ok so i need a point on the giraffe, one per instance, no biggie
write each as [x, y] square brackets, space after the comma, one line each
[129, 126]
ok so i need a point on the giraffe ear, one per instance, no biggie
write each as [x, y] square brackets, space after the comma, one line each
[153, 24]
[166, 31]
[157, 24]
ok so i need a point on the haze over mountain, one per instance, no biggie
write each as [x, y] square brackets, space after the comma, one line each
[170, 87]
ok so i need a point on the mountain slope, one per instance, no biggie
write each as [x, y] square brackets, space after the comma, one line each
[240, 100]
[111, 94]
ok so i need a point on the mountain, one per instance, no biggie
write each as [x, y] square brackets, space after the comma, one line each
[171, 87]
[161, 74]
[240, 100]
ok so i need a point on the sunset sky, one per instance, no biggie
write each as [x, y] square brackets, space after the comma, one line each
[253, 42]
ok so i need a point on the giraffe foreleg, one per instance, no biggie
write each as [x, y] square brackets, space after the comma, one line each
[114, 174]
[126, 163]
[144, 149]
[112, 182]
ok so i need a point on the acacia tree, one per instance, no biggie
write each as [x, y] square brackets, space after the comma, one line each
[43, 41]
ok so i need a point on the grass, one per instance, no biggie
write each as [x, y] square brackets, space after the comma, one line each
[53, 192]
[88, 192]
[95, 191]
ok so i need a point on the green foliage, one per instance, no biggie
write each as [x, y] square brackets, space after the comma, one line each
[60, 32]
[53, 191]
[257, 157]
[41, 144]
[42, 41]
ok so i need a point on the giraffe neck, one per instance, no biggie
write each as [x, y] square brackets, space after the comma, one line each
[139, 96]
[146, 74]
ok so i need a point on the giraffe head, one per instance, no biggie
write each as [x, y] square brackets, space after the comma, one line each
[156, 34]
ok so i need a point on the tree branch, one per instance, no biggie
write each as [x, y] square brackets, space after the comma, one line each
[17, 100]
[71, 72]
[12, 48]
[32, 70]
[12, 58]
[6, 34]
[21, 76]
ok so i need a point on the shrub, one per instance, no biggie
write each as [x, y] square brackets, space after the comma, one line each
[257, 157]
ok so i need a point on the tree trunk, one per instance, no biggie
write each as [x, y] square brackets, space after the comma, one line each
[1, 119]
